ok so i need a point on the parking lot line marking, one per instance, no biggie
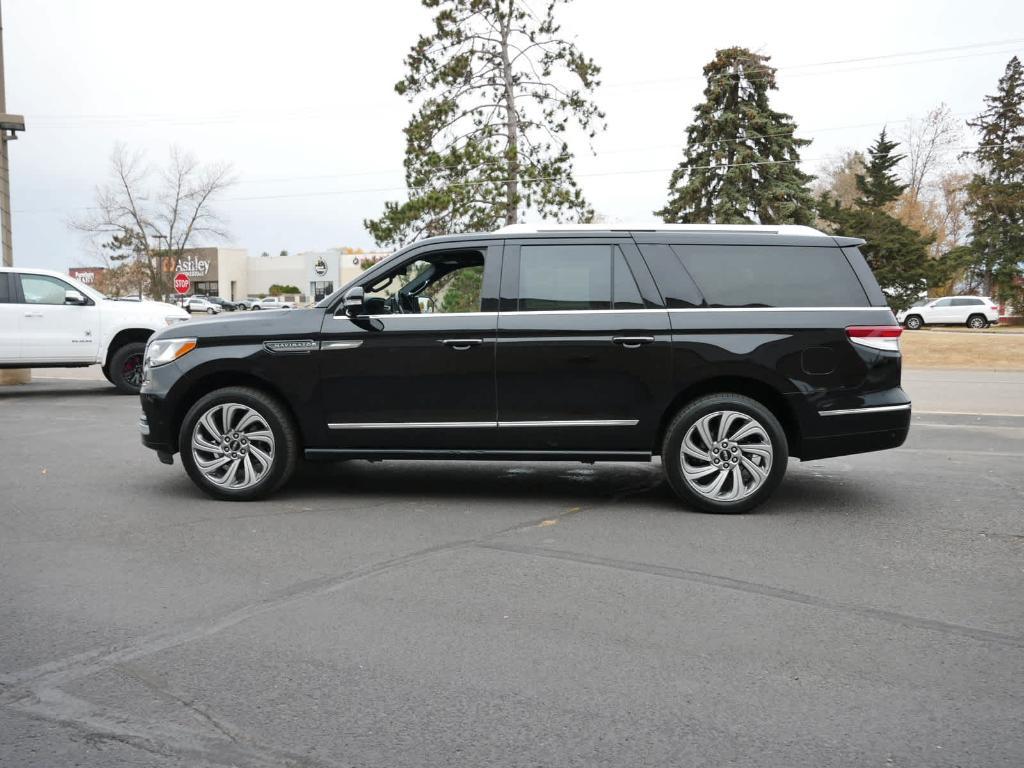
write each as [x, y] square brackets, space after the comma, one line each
[965, 413]
[765, 590]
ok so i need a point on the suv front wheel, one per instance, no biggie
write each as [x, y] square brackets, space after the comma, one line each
[238, 444]
[724, 453]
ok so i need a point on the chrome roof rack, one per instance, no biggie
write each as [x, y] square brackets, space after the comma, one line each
[770, 229]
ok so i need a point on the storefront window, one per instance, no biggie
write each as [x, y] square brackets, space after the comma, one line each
[321, 288]
[205, 288]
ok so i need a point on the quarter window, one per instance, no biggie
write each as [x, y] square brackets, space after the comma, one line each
[5, 290]
[43, 289]
[772, 276]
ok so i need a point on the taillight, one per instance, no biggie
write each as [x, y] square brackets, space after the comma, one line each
[885, 337]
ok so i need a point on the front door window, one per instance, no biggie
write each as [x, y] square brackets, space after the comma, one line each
[442, 283]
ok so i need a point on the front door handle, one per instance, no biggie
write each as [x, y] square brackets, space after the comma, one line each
[633, 342]
[462, 344]
[33, 314]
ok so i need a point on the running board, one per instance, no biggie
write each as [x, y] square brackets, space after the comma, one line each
[334, 454]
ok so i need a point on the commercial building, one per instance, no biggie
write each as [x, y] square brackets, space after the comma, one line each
[233, 274]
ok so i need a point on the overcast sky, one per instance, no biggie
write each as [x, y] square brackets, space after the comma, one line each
[298, 96]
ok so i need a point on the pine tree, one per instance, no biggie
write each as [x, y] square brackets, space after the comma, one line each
[878, 185]
[741, 156]
[995, 195]
[896, 253]
[498, 89]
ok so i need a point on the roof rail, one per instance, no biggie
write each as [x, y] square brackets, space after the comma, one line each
[772, 229]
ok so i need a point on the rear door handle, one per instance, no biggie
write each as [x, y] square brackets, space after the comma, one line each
[462, 344]
[33, 314]
[633, 342]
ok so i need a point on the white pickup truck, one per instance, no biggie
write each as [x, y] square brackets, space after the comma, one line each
[50, 320]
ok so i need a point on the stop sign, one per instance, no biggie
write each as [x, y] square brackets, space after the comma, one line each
[182, 283]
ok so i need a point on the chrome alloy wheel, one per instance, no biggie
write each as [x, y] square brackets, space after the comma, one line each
[233, 446]
[726, 455]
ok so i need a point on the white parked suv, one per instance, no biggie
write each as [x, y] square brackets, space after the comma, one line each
[272, 302]
[972, 311]
[201, 304]
[50, 320]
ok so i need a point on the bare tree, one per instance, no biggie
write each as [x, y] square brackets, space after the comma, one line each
[837, 177]
[929, 144]
[151, 215]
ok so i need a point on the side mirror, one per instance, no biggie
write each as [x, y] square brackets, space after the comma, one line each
[74, 297]
[352, 301]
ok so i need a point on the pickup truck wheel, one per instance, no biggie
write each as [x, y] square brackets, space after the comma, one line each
[724, 453]
[106, 374]
[238, 444]
[126, 368]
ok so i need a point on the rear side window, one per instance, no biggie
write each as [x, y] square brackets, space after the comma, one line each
[967, 302]
[943, 303]
[575, 277]
[676, 287]
[772, 276]
[5, 290]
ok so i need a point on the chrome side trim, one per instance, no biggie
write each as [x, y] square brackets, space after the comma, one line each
[414, 425]
[482, 424]
[573, 423]
[351, 344]
[869, 409]
[628, 311]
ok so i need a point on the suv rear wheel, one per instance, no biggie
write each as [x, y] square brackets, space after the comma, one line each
[913, 323]
[238, 444]
[977, 321]
[125, 369]
[724, 453]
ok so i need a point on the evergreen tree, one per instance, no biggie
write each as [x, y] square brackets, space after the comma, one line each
[896, 253]
[741, 156]
[878, 185]
[498, 89]
[995, 195]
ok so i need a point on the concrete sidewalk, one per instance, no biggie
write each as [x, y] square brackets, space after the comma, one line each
[960, 391]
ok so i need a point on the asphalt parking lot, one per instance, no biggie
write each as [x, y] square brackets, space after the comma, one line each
[427, 614]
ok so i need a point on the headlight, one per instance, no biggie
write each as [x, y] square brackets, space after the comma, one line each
[167, 351]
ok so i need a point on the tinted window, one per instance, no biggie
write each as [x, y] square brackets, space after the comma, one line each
[625, 293]
[943, 303]
[43, 289]
[966, 302]
[5, 291]
[559, 277]
[772, 276]
[676, 287]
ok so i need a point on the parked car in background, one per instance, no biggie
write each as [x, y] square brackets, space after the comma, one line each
[50, 320]
[972, 311]
[201, 304]
[224, 304]
[725, 350]
[273, 302]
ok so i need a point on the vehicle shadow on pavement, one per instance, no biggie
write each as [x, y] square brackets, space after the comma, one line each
[622, 485]
[78, 389]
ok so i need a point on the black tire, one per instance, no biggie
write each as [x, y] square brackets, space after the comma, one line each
[977, 322]
[106, 374]
[256, 306]
[913, 322]
[285, 450]
[211, 311]
[125, 370]
[671, 456]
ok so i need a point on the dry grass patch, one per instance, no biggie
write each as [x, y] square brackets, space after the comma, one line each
[986, 351]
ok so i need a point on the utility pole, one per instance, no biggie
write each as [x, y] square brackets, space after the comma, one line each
[9, 125]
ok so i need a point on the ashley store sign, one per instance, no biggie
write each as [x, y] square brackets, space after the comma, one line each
[193, 267]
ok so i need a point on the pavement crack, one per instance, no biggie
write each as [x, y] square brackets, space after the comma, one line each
[765, 590]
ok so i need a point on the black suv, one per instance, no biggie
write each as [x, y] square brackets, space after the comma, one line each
[725, 350]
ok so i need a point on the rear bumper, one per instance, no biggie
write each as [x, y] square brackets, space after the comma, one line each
[857, 430]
